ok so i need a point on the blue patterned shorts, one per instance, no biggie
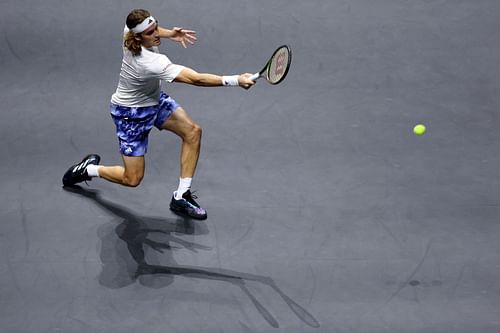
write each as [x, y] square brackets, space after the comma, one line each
[133, 124]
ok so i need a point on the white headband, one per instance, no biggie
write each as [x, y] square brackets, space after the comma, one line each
[149, 21]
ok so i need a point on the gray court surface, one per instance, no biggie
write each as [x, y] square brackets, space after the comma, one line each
[326, 213]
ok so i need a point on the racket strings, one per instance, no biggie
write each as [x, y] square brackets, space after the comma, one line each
[278, 65]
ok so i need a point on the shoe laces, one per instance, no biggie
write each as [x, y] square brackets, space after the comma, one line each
[190, 198]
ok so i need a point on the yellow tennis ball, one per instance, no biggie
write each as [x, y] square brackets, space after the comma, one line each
[419, 129]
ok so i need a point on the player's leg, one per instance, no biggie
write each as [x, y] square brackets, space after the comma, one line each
[180, 123]
[132, 133]
[190, 132]
[130, 174]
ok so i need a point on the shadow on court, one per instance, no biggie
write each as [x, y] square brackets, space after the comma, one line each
[138, 232]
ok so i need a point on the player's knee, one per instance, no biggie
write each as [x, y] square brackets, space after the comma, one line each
[194, 135]
[132, 180]
[197, 131]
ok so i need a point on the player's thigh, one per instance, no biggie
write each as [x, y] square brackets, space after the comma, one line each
[180, 123]
[134, 166]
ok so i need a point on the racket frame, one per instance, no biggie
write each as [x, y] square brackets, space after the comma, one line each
[267, 67]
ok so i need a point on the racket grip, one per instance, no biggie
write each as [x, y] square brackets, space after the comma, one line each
[255, 76]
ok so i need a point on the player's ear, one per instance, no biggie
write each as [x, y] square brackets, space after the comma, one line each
[137, 37]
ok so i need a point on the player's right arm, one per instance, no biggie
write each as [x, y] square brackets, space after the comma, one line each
[192, 77]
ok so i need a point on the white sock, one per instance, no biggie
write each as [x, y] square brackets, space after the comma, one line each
[93, 170]
[184, 185]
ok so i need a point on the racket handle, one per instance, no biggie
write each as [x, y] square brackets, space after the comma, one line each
[255, 76]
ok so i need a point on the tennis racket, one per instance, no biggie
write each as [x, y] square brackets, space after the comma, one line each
[277, 67]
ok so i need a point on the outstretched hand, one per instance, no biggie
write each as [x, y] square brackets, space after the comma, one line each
[245, 81]
[183, 36]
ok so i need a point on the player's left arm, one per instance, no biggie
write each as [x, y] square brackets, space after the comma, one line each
[177, 34]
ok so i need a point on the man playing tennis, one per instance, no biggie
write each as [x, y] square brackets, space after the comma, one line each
[139, 104]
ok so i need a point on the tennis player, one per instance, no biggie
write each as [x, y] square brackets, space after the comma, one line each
[139, 104]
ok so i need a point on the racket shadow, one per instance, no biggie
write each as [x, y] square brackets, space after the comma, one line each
[124, 257]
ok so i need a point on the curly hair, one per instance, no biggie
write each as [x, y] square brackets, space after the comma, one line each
[130, 41]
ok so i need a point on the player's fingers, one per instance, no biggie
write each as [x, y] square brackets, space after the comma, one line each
[186, 32]
[248, 76]
[247, 85]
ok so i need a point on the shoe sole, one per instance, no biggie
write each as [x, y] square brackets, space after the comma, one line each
[181, 211]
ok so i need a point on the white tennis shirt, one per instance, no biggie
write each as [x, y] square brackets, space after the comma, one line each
[140, 77]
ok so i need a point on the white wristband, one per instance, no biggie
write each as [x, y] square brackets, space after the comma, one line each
[231, 80]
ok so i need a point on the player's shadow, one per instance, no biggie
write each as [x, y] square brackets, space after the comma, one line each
[124, 258]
